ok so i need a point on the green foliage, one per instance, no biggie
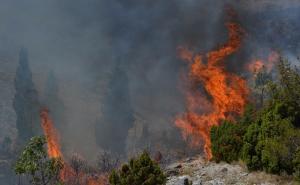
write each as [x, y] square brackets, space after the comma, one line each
[296, 165]
[289, 91]
[270, 135]
[227, 140]
[261, 81]
[34, 163]
[139, 171]
[272, 139]
[270, 142]
[249, 151]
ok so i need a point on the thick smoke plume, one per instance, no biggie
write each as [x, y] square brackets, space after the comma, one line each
[81, 43]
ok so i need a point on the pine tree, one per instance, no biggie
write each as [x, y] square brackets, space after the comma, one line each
[25, 103]
[118, 117]
[139, 171]
[262, 78]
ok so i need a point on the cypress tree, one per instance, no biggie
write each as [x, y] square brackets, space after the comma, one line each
[25, 103]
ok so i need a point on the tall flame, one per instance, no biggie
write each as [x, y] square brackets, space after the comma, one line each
[54, 151]
[225, 93]
[51, 135]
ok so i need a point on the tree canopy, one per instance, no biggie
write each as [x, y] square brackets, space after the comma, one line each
[270, 138]
[139, 171]
[34, 163]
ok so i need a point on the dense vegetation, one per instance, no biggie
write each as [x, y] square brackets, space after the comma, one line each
[266, 137]
[34, 163]
[139, 171]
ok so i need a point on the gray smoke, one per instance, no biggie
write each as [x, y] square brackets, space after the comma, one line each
[83, 40]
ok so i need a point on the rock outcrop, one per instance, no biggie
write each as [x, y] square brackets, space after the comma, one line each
[198, 171]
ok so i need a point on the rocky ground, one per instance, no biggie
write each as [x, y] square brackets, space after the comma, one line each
[200, 172]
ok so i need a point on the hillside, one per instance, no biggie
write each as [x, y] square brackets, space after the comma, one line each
[201, 172]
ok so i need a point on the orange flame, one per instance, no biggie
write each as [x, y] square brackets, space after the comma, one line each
[227, 92]
[51, 135]
[54, 151]
[257, 65]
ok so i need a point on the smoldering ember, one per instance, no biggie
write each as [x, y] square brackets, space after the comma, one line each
[143, 92]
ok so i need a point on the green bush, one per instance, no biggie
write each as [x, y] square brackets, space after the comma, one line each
[272, 139]
[139, 171]
[227, 140]
[270, 135]
[249, 151]
[270, 142]
[35, 163]
[296, 165]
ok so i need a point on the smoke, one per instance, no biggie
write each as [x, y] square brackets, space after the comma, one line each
[83, 41]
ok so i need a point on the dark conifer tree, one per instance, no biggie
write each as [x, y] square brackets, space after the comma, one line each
[117, 119]
[25, 103]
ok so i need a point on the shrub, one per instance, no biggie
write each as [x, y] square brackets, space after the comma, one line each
[227, 140]
[271, 136]
[296, 165]
[270, 142]
[34, 163]
[139, 171]
[250, 152]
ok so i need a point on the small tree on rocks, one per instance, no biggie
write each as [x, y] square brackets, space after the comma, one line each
[139, 171]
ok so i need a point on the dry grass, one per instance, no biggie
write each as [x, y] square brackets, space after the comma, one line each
[258, 177]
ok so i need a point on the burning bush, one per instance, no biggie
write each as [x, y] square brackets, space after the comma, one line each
[139, 171]
[227, 92]
[272, 140]
[70, 173]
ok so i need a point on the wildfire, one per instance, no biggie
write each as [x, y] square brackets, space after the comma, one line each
[257, 65]
[51, 135]
[54, 151]
[225, 93]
